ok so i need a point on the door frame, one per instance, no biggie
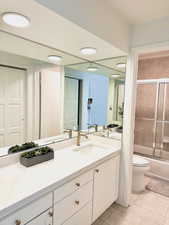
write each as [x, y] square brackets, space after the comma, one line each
[129, 118]
[80, 86]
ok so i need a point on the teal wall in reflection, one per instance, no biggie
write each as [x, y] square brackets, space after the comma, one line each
[94, 86]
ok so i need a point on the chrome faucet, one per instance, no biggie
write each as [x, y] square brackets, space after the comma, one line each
[70, 132]
[79, 135]
[95, 126]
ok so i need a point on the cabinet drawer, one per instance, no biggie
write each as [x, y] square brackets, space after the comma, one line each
[43, 219]
[72, 186]
[82, 217]
[73, 203]
[29, 212]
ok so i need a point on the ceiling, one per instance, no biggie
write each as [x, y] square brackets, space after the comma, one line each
[107, 67]
[141, 11]
[55, 31]
[18, 46]
[14, 60]
[19, 52]
[113, 62]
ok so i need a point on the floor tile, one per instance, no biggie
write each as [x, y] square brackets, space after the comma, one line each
[147, 208]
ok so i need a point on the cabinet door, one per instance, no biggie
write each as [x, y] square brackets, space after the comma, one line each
[106, 180]
[44, 219]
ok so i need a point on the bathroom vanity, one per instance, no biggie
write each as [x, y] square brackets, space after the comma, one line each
[47, 103]
[74, 188]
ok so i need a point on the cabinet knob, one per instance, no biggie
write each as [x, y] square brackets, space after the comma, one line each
[50, 214]
[17, 222]
[97, 170]
[77, 202]
[78, 184]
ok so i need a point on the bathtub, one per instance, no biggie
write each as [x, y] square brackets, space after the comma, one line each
[158, 168]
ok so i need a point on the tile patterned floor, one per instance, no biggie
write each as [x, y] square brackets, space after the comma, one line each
[148, 208]
[157, 185]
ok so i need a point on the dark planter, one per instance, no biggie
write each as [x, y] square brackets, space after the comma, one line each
[36, 159]
[119, 129]
[112, 125]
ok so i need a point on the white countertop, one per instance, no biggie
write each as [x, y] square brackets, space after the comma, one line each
[20, 185]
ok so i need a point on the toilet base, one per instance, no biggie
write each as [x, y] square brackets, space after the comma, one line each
[138, 184]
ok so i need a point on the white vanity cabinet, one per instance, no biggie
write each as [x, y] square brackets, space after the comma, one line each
[44, 219]
[77, 202]
[82, 217]
[75, 195]
[31, 212]
[106, 181]
[85, 198]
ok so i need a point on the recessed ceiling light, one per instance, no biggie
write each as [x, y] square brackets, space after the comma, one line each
[115, 75]
[121, 65]
[54, 59]
[92, 68]
[88, 51]
[15, 19]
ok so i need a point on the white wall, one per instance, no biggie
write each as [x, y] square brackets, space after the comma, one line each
[96, 16]
[128, 131]
[150, 33]
[52, 98]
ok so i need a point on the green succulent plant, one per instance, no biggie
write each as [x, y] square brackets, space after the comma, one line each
[37, 152]
[25, 146]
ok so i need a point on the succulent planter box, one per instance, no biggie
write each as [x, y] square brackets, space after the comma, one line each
[119, 129]
[37, 156]
[23, 147]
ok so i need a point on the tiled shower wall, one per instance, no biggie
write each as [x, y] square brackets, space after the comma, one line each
[153, 68]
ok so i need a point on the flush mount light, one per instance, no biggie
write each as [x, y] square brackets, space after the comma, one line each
[54, 59]
[88, 51]
[92, 68]
[15, 19]
[115, 75]
[121, 65]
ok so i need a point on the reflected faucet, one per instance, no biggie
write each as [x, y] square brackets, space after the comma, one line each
[70, 132]
[95, 126]
[79, 135]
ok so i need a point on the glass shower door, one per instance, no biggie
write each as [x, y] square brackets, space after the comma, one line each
[162, 126]
[145, 122]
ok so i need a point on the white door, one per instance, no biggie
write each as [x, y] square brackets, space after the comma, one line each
[71, 103]
[106, 180]
[43, 219]
[12, 116]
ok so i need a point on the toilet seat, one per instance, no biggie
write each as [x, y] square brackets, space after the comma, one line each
[139, 161]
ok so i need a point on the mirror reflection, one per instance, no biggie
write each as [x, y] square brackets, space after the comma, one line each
[96, 92]
[46, 95]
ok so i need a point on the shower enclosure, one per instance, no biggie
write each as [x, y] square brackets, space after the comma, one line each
[152, 119]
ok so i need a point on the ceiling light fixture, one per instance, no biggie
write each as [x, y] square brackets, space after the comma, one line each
[54, 59]
[115, 75]
[92, 68]
[15, 19]
[121, 65]
[88, 51]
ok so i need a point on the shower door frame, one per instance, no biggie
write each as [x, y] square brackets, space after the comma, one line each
[157, 82]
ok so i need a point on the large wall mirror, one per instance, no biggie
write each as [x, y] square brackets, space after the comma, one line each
[42, 96]
[96, 92]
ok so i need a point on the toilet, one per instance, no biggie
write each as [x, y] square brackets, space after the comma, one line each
[140, 167]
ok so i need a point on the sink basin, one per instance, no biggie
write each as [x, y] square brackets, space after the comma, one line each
[91, 149]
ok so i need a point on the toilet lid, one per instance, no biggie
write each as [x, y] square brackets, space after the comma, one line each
[140, 161]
